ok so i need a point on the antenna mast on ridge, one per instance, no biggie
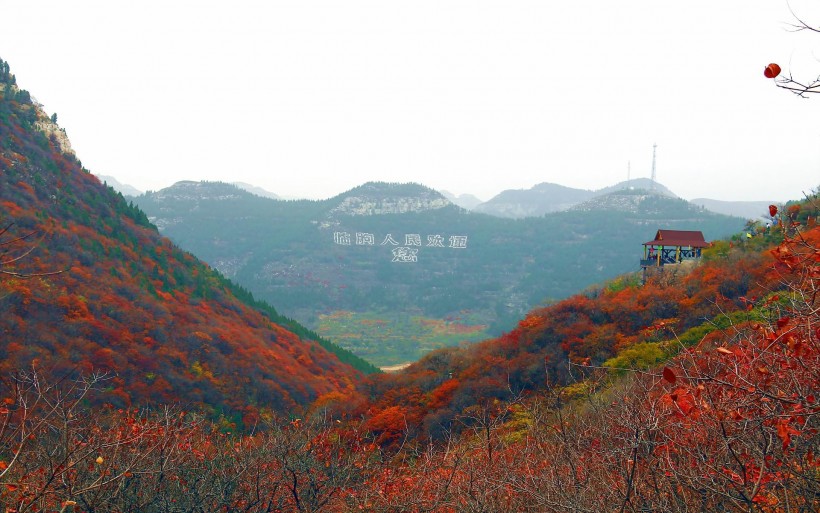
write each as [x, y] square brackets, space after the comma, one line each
[654, 148]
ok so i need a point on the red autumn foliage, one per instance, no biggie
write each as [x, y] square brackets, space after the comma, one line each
[730, 423]
[737, 428]
[122, 284]
[586, 329]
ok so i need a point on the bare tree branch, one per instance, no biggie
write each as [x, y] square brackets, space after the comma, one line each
[9, 260]
[798, 87]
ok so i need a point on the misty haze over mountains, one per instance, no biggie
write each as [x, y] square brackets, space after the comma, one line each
[539, 200]
[363, 266]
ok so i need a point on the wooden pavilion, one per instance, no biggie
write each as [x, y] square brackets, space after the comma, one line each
[672, 247]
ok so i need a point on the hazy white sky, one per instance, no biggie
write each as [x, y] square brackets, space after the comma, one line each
[310, 98]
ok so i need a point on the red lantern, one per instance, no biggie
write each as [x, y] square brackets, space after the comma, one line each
[772, 70]
[772, 210]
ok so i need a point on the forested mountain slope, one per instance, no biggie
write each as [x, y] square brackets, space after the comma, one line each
[620, 324]
[723, 416]
[697, 391]
[125, 300]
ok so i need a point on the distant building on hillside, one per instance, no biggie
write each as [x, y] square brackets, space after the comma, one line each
[672, 247]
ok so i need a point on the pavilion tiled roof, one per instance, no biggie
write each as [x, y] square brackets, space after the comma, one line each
[678, 238]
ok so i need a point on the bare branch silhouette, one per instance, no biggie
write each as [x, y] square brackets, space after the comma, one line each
[7, 260]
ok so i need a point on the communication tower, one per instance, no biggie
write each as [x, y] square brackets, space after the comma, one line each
[654, 150]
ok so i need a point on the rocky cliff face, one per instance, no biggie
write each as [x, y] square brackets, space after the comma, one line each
[620, 202]
[53, 131]
[43, 123]
[643, 204]
[364, 206]
[384, 198]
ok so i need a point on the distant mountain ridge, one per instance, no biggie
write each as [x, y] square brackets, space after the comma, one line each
[467, 201]
[259, 191]
[752, 210]
[124, 189]
[539, 200]
[546, 198]
[536, 201]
